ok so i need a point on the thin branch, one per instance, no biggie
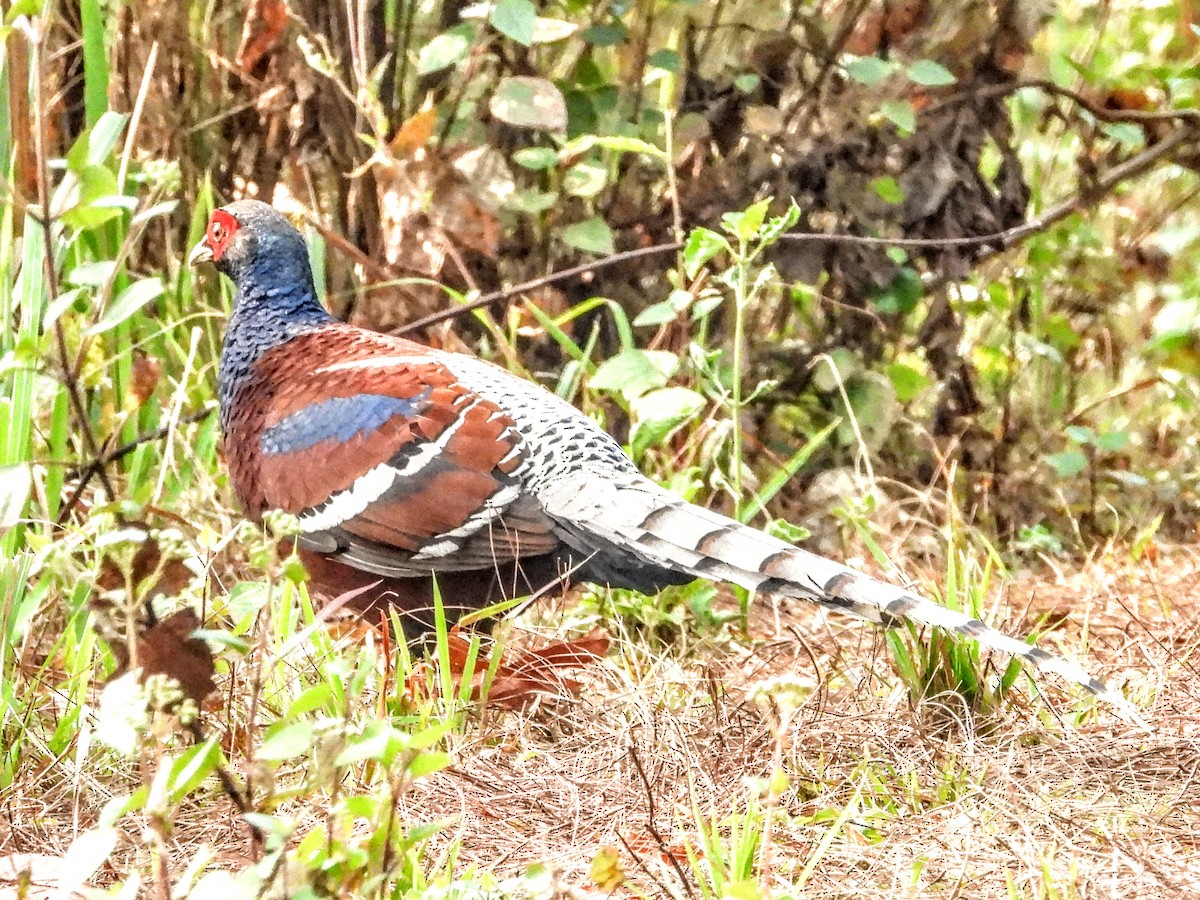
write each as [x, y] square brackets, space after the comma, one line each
[99, 464]
[652, 828]
[997, 91]
[998, 241]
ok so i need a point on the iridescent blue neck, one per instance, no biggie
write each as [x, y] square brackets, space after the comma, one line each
[272, 307]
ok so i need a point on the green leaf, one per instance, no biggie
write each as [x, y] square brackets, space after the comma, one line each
[1068, 463]
[887, 189]
[1112, 441]
[1080, 434]
[605, 35]
[1125, 133]
[515, 19]
[657, 413]
[446, 49]
[869, 70]
[665, 311]
[592, 236]
[128, 302]
[312, 699]
[536, 158]
[744, 225]
[632, 373]
[585, 179]
[191, 768]
[286, 740]
[930, 73]
[527, 102]
[907, 381]
[665, 59]
[787, 531]
[92, 274]
[747, 82]
[532, 202]
[901, 114]
[377, 741]
[105, 134]
[901, 296]
[96, 186]
[702, 245]
[428, 763]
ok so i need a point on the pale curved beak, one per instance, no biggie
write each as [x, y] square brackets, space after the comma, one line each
[201, 253]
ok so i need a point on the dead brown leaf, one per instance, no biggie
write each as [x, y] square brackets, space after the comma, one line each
[263, 27]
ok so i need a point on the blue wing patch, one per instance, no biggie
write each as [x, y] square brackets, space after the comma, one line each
[340, 418]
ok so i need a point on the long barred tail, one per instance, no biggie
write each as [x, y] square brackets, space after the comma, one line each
[668, 531]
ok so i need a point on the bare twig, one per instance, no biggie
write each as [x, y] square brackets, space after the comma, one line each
[663, 847]
[997, 91]
[998, 241]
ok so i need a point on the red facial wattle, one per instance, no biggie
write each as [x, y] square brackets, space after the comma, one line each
[221, 229]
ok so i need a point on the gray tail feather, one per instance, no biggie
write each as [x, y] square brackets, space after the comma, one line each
[666, 530]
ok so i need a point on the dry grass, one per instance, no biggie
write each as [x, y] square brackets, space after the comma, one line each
[1101, 810]
[922, 801]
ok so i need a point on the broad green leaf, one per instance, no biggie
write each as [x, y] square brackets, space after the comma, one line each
[617, 142]
[901, 296]
[747, 82]
[96, 184]
[192, 767]
[1125, 133]
[901, 114]
[446, 49]
[744, 225]
[1080, 434]
[664, 311]
[128, 302]
[930, 73]
[310, 700]
[1068, 463]
[95, 273]
[907, 381]
[515, 19]
[1112, 441]
[869, 70]
[702, 245]
[592, 236]
[527, 102]
[428, 763]
[887, 189]
[657, 413]
[585, 179]
[665, 59]
[632, 373]
[531, 202]
[605, 35]
[536, 158]
[286, 740]
[377, 741]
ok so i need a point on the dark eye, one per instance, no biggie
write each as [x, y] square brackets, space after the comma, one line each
[217, 232]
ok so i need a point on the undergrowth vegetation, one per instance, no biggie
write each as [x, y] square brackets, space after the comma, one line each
[961, 396]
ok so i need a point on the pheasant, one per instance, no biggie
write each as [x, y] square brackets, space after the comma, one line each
[404, 463]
